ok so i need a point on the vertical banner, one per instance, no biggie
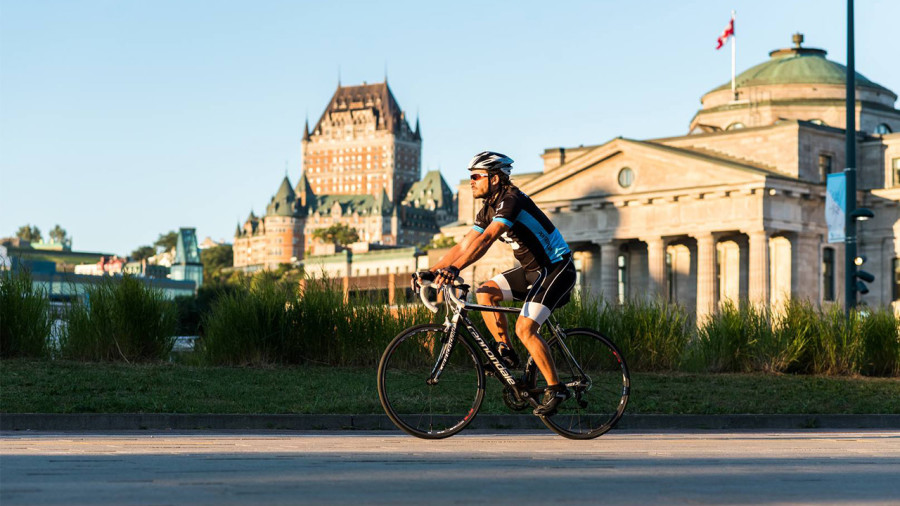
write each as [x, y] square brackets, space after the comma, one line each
[835, 206]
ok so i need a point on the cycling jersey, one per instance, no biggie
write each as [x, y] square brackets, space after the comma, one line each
[535, 241]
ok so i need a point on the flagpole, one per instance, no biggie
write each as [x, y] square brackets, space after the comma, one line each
[733, 42]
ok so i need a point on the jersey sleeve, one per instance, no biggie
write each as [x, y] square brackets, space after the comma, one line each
[481, 220]
[507, 210]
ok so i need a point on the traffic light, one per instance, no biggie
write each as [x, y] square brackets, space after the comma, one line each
[862, 277]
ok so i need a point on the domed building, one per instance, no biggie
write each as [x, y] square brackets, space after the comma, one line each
[734, 209]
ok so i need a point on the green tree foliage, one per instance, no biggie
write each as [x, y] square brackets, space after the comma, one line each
[214, 260]
[339, 234]
[444, 241]
[59, 235]
[142, 252]
[29, 233]
[167, 241]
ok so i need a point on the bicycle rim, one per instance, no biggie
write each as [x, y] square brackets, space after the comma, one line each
[598, 381]
[429, 411]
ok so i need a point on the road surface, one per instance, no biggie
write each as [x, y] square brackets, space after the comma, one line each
[795, 467]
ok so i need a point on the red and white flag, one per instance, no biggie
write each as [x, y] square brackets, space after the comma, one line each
[727, 32]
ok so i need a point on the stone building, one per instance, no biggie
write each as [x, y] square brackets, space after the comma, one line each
[361, 168]
[735, 208]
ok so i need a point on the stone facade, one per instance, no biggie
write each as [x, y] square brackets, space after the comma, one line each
[725, 213]
[361, 168]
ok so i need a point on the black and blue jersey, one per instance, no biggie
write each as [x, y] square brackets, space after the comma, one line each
[535, 241]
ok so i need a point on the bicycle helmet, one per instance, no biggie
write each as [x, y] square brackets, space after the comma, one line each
[491, 162]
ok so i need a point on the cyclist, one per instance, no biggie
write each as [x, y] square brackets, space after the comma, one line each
[543, 280]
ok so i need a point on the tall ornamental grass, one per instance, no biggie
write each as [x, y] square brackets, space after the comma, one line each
[25, 321]
[651, 334]
[272, 322]
[880, 344]
[120, 319]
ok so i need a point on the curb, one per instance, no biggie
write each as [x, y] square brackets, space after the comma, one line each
[177, 421]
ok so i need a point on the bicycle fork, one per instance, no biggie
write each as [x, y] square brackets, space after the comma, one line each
[446, 349]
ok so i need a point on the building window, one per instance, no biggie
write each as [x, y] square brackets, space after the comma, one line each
[737, 125]
[825, 167]
[828, 274]
[670, 277]
[895, 166]
[817, 122]
[895, 291]
[883, 129]
[626, 177]
[622, 288]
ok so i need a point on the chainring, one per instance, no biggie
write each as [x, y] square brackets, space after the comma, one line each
[509, 398]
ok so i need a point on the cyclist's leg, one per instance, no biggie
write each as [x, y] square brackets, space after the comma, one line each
[503, 286]
[550, 290]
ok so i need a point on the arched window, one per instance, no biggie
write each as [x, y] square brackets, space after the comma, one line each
[828, 274]
[737, 125]
[622, 275]
[883, 129]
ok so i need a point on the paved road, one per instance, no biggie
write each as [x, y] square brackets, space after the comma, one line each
[813, 466]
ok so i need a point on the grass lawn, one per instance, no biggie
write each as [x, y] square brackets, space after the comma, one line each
[28, 386]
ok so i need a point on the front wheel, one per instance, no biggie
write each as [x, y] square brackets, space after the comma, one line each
[597, 377]
[419, 405]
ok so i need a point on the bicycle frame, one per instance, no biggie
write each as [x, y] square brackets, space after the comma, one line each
[493, 365]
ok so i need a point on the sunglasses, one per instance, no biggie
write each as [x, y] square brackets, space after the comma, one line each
[476, 177]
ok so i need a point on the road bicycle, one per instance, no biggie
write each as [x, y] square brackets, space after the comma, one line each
[431, 378]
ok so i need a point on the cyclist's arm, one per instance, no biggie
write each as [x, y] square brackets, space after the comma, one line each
[479, 245]
[456, 250]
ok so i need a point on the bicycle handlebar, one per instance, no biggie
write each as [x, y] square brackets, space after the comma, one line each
[448, 292]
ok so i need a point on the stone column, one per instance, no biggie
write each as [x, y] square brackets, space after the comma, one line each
[706, 274]
[392, 289]
[759, 266]
[590, 271]
[656, 264]
[609, 270]
[806, 265]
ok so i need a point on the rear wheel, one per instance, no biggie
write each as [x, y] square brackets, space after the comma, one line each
[598, 380]
[423, 408]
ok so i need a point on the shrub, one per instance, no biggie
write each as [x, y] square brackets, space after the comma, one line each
[120, 319]
[25, 321]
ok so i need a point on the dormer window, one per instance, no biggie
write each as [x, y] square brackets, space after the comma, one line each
[817, 121]
[737, 125]
[883, 129]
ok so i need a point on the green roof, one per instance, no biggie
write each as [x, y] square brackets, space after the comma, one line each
[283, 203]
[798, 65]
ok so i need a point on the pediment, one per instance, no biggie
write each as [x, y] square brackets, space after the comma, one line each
[653, 167]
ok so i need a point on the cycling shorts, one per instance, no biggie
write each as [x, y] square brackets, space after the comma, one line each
[542, 290]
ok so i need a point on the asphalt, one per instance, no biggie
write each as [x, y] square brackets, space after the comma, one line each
[179, 421]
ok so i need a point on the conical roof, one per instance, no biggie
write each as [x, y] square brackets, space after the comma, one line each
[284, 201]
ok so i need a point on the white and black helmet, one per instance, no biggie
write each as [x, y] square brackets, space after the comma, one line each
[491, 162]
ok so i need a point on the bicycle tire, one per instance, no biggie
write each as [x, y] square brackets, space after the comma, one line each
[600, 387]
[426, 411]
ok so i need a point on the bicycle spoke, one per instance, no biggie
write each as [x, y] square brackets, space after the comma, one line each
[434, 410]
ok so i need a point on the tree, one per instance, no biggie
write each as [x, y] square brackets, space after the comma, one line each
[339, 234]
[167, 241]
[59, 235]
[142, 252]
[29, 233]
[214, 260]
[444, 241]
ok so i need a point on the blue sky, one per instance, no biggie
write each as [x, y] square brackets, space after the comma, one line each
[120, 120]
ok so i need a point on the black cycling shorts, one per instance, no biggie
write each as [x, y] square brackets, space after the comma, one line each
[542, 290]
